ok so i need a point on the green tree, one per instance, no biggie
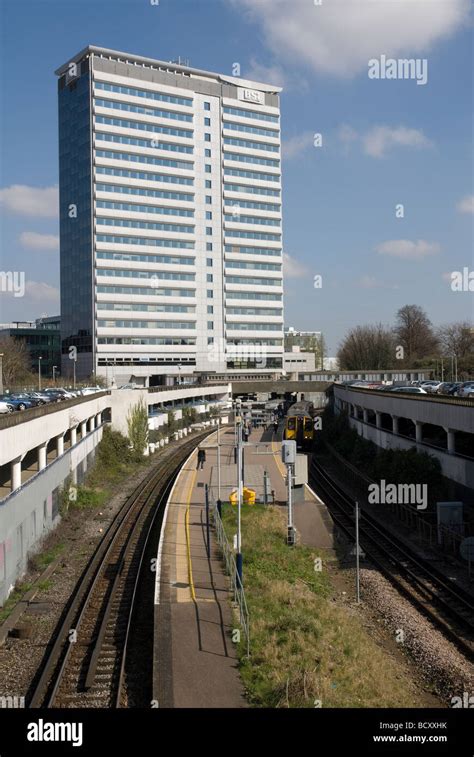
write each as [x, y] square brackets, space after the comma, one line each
[137, 424]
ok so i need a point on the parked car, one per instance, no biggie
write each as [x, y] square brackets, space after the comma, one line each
[18, 404]
[28, 397]
[90, 390]
[55, 396]
[6, 407]
[63, 393]
[447, 387]
[43, 397]
[465, 390]
[410, 389]
[430, 386]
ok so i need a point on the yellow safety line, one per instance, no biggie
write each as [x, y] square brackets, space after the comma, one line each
[188, 540]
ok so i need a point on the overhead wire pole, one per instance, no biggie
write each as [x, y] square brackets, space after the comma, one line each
[239, 559]
[357, 552]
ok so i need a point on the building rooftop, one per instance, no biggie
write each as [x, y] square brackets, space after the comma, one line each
[160, 65]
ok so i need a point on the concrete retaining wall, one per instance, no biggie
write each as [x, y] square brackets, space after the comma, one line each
[30, 512]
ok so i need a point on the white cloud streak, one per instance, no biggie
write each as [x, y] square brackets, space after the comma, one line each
[406, 249]
[34, 241]
[35, 202]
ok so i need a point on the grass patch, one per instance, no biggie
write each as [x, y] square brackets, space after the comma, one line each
[304, 648]
[41, 560]
[17, 594]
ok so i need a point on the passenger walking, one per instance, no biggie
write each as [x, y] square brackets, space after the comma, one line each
[275, 427]
[201, 459]
[246, 434]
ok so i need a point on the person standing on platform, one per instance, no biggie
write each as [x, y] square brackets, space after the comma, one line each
[201, 459]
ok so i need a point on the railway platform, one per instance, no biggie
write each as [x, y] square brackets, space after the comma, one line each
[194, 660]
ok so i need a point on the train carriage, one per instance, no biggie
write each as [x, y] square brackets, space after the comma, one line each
[299, 424]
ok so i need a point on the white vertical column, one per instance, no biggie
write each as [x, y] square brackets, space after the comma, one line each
[60, 444]
[15, 467]
[42, 456]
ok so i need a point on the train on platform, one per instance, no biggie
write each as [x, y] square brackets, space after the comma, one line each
[299, 424]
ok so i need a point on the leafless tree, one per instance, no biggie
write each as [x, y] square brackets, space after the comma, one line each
[367, 348]
[16, 361]
[414, 333]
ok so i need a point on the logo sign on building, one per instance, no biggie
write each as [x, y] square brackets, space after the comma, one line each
[252, 96]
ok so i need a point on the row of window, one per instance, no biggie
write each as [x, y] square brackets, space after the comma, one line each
[251, 174]
[144, 175]
[133, 208]
[250, 145]
[171, 227]
[254, 311]
[117, 273]
[112, 239]
[167, 259]
[253, 266]
[145, 308]
[251, 250]
[251, 130]
[155, 112]
[131, 158]
[158, 193]
[146, 291]
[262, 296]
[253, 235]
[254, 327]
[156, 129]
[270, 207]
[265, 342]
[237, 157]
[251, 190]
[145, 143]
[251, 280]
[238, 218]
[191, 325]
[250, 114]
[133, 92]
[136, 340]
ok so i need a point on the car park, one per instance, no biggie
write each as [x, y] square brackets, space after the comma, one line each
[430, 386]
[18, 404]
[410, 389]
[465, 390]
[28, 397]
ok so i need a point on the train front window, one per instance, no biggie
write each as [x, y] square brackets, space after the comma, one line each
[308, 424]
[291, 424]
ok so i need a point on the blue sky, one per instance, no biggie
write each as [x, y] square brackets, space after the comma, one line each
[385, 142]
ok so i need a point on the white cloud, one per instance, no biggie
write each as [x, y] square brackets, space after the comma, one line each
[275, 74]
[339, 37]
[34, 241]
[407, 249]
[292, 269]
[378, 140]
[466, 205]
[31, 201]
[39, 291]
[295, 146]
[368, 282]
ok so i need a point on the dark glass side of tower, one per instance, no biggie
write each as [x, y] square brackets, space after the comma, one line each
[76, 258]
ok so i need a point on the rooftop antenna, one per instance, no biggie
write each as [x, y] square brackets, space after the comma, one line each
[181, 61]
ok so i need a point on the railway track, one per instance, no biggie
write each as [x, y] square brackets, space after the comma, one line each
[447, 605]
[86, 665]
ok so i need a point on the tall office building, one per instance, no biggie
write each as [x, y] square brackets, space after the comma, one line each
[170, 220]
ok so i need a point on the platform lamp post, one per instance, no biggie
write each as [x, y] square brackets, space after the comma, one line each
[39, 372]
[1, 372]
[238, 557]
[55, 368]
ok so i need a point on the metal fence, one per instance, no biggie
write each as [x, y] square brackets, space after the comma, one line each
[235, 582]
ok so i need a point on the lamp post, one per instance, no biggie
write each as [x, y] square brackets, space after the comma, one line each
[55, 368]
[39, 372]
[1, 372]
